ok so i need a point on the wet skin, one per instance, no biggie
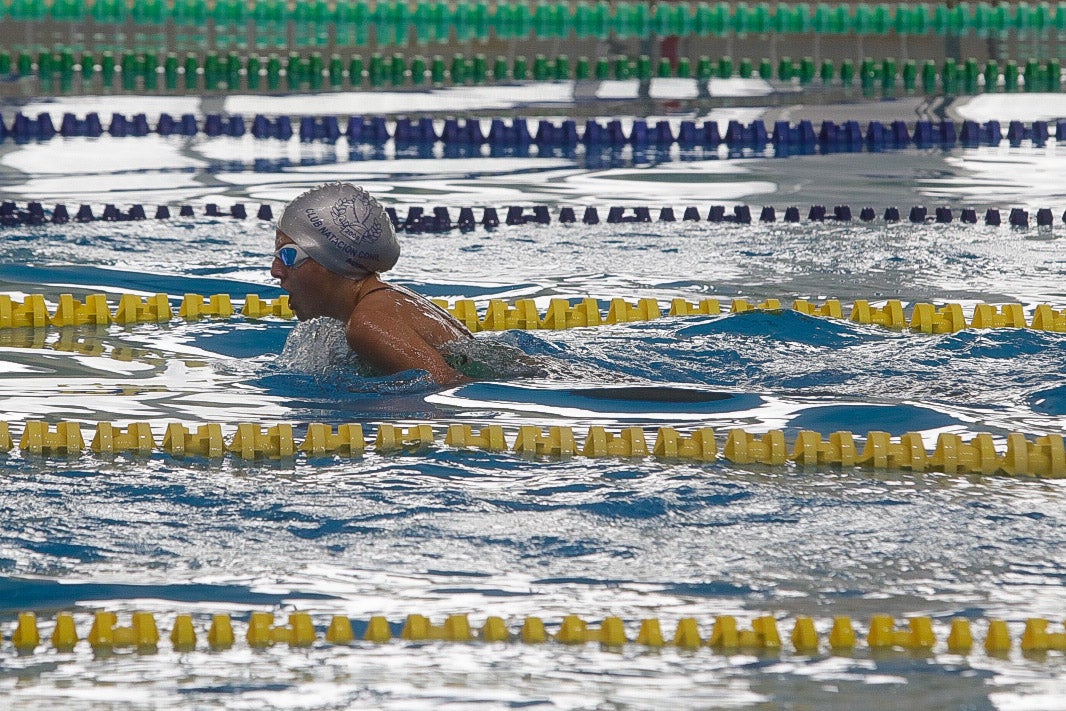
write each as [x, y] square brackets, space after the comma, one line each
[391, 329]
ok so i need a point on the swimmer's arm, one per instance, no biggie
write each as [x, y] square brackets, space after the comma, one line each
[387, 342]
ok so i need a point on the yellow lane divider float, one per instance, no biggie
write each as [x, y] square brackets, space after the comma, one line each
[523, 314]
[34, 312]
[726, 635]
[1043, 457]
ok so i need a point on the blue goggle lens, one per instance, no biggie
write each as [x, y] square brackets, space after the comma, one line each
[291, 256]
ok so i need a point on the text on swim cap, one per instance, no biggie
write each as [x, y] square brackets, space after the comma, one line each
[336, 241]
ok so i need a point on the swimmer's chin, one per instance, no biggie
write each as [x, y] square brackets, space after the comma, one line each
[298, 312]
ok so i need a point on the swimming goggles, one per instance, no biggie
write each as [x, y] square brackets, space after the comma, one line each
[291, 256]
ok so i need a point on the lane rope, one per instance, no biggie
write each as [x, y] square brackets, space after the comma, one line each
[559, 20]
[34, 312]
[60, 71]
[515, 133]
[438, 219]
[1043, 456]
[920, 634]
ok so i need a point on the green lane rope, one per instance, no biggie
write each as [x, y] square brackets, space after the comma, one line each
[548, 20]
[34, 312]
[231, 71]
[726, 635]
[1043, 457]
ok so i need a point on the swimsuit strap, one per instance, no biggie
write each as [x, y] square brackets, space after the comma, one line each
[383, 287]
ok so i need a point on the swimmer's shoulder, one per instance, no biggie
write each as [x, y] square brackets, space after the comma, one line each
[439, 316]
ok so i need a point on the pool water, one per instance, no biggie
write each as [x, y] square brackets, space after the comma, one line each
[440, 530]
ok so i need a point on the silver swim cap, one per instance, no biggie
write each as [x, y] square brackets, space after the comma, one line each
[343, 228]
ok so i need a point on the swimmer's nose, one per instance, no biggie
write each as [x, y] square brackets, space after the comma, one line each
[277, 269]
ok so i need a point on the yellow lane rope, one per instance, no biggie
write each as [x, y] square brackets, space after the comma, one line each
[726, 634]
[1044, 456]
[498, 315]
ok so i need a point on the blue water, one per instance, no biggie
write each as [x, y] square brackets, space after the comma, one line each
[442, 531]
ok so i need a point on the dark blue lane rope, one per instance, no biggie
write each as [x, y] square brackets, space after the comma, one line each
[439, 219]
[785, 137]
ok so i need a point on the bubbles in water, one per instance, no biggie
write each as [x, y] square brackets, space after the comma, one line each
[319, 347]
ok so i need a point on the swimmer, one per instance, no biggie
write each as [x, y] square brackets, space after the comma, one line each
[331, 243]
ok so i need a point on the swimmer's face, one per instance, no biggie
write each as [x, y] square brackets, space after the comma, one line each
[304, 281]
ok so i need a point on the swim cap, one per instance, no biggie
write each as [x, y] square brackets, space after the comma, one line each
[343, 228]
